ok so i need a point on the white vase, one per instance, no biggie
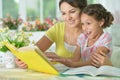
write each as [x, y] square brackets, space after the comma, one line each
[2, 54]
[9, 60]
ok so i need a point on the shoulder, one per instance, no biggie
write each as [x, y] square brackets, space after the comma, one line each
[55, 31]
[82, 38]
[106, 36]
[58, 26]
[105, 40]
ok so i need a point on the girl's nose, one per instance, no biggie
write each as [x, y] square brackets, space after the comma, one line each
[84, 27]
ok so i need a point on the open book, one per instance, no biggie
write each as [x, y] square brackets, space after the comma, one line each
[34, 58]
[93, 71]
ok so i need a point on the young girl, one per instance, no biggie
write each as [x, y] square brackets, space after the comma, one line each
[94, 44]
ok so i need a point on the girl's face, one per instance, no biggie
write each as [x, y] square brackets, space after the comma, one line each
[91, 26]
[70, 15]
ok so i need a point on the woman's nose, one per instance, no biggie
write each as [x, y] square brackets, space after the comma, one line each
[68, 17]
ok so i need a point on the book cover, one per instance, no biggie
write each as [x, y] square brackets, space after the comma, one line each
[34, 58]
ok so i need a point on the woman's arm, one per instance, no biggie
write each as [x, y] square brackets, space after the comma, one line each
[100, 57]
[103, 49]
[44, 43]
[74, 61]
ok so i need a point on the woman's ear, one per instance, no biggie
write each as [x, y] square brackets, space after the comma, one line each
[102, 22]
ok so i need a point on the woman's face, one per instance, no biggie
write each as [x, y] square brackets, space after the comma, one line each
[91, 26]
[70, 15]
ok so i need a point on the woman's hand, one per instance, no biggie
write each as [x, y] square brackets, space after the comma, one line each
[54, 58]
[51, 55]
[20, 63]
[99, 59]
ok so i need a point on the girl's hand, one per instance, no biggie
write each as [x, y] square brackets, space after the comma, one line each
[20, 64]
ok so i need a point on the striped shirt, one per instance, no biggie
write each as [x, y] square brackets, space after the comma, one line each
[104, 40]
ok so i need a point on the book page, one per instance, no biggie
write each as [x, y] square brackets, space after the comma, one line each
[89, 70]
[109, 71]
[61, 67]
[26, 48]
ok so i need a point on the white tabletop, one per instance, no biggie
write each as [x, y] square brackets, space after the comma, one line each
[21, 74]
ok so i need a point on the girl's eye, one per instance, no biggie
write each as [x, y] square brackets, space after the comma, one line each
[82, 24]
[88, 23]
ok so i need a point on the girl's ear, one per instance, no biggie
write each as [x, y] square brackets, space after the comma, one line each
[102, 22]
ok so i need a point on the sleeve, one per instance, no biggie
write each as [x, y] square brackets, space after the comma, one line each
[81, 39]
[51, 33]
[107, 42]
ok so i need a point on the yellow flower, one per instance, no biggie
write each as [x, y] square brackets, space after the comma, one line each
[19, 39]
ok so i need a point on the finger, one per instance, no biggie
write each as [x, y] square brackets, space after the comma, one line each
[51, 55]
[95, 57]
[96, 65]
[57, 60]
[96, 60]
[100, 60]
[98, 57]
[23, 66]
[102, 54]
[16, 59]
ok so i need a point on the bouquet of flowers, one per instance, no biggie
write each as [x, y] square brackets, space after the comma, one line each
[11, 22]
[18, 39]
[37, 26]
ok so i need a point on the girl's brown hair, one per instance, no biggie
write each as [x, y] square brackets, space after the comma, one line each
[99, 13]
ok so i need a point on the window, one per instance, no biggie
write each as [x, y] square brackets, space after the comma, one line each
[31, 9]
[10, 7]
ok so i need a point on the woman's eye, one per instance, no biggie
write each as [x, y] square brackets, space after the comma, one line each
[63, 13]
[72, 11]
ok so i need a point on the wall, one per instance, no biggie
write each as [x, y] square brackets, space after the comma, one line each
[114, 7]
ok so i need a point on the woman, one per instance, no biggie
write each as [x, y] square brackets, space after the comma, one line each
[64, 34]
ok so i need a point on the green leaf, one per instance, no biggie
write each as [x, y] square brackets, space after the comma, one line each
[3, 49]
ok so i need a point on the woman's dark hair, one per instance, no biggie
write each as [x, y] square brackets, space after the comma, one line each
[99, 13]
[81, 4]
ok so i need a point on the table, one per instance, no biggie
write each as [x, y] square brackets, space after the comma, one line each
[23, 74]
